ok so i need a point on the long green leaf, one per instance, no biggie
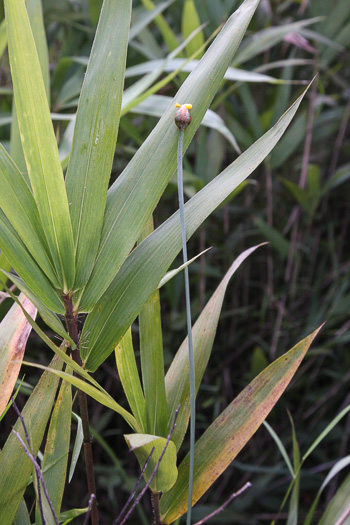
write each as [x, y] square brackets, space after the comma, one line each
[148, 173]
[18, 204]
[15, 466]
[5, 265]
[130, 379]
[177, 380]
[152, 360]
[35, 15]
[146, 265]
[224, 439]
[54, 465]
[39, 142]
[95, 133]
[22, 262]
[96, 393]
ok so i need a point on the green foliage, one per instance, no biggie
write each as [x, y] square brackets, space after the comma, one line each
[72, 242]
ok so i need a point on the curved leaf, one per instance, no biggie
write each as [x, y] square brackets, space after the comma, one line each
[166, 474]
[22, 262]
[224, 439]
[147, 264]
[95, 133]
[177, 379]
[18, 204]
[39, 142]
[149, 171]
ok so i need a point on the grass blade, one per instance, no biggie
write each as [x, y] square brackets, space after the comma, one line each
[147, 174]
[224, 439]
[95, 133]
[145, 267]
[39, 142]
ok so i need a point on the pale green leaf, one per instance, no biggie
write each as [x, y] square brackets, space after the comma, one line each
[145, 18]
[166, 474]
[338, 510]
[190, 22]
[130, 379]
[96, 393]
[268, 38]
[169, 275]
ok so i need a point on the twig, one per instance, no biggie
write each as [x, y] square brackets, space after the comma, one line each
[132, 495]
[87, 515]
[39, 474]
[139, 497]
[224, 505]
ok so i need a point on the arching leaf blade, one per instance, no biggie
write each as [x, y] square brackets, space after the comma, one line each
[39, 142]
[95, 133]
[148, 173]
[18, 204]
[224, 439]
[147, 264]
[177, 379]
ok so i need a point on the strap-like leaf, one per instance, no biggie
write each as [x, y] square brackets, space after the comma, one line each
[224, 439]
[19, 258]
[18, 204]
[130, 379]
[148, 173]
[39, 142]
[15, 466]
[177, 380]
[95, 133]
[146, 265]
[152, 360]
[54, 465]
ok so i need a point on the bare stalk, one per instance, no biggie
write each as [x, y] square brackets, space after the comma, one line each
[72, 327]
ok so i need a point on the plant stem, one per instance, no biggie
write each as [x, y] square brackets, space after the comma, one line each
[189, 325]
[156, 508]
[72, 326]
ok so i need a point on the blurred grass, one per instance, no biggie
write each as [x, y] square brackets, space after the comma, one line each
[299, 201]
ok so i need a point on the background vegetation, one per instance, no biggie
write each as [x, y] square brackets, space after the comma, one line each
[298, 200]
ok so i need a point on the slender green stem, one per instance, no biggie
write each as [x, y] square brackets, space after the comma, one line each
[189, 324]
